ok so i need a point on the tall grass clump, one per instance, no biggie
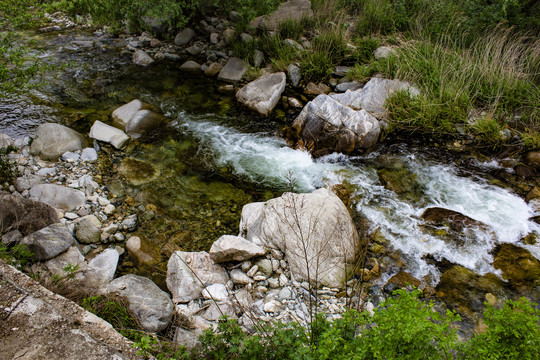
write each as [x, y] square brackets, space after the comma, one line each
[497, 74]
[328, 50]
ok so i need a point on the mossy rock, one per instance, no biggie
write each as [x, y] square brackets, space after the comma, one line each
[465, 290]
[397, 178]
[517, 265]
[138, 172]
[402, 280]
[453, 227]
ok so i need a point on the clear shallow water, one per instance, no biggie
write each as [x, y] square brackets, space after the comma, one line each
[215, 157]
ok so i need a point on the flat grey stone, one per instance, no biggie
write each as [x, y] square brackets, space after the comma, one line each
[57, 196]
[106, 133]
[233, 71]
[49, 241]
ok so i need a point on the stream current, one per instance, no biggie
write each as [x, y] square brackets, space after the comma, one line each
[214, 157]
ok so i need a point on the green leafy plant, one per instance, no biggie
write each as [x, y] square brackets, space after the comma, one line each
[513, 332]
[18, 255]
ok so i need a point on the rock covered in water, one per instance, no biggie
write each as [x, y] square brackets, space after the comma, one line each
[108, 134]
[325, 125]
[189, 272]
[151, 306]
[49, 241]
[59, 197]
[24, 215]
[229, 247]
[52, 140]
[262, 95]
[286, 223]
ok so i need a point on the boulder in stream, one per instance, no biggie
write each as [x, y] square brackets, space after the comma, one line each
[325, 126]
[141, 58]
[315, 231]
[108, 134]
[262, 95]
[52, 140]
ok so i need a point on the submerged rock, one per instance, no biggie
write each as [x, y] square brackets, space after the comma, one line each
[325, 125]
[52, 140]
[287, 223]
[151, 306]
[138, 172]
[263, 94]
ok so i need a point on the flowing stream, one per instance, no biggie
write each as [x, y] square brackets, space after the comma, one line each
[215, 157]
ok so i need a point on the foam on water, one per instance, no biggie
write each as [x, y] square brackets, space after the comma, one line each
[267, 159]
[262, 158]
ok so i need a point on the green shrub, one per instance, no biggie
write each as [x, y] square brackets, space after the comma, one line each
[513, 333]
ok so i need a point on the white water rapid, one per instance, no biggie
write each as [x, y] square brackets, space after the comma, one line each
[266, 159]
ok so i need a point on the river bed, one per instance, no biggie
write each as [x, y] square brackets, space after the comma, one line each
[214, 157]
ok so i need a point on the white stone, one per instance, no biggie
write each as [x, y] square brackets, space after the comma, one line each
[228, 248]
[263, 94]
[217, 292]
[109, 209]
[89, 155]
[239, 277]
[328, 252]
[106, 133]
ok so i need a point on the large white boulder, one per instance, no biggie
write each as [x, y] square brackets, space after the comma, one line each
[188, 273]
[373, 95]
[52, 140]
[326, 125]
[263, 94]
[315, 231]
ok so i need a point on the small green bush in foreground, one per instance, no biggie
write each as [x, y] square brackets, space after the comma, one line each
[403, 327]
